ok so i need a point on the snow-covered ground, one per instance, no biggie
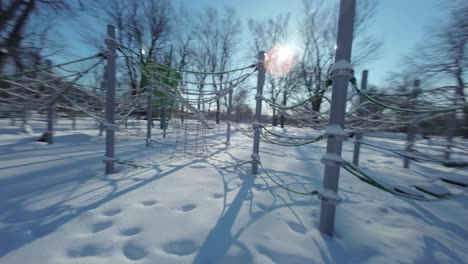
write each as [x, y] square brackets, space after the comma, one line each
[58, 206]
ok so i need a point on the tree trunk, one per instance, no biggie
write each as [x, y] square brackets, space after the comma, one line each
[217, 111]
[461, 94]
[274, 120]
[316, 103]
[285, 99]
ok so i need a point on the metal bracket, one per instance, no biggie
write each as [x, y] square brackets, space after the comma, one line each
[331, 159]
[255, 158]
[256, 125]
[342, 68]
[107, 159]
[335, 132]
[329, 196]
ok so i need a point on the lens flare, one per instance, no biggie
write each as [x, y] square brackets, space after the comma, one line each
[279, 60]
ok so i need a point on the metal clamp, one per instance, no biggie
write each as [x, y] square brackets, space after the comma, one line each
[342, 68]
[256, 125]
[255, 158]
[332, 159]
[328, 196]
[107, 159]
[335, 132]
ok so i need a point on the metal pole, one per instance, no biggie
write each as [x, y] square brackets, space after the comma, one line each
[103, 88]
[229, 110]
[149, 114]
[50, 117]
[358, 138]
[341, 73]
[411, 134]
[50, 124]
[411, 131]
[110, 99]
[451, 128]
[165, 114]
[73, 119]
[258, 112]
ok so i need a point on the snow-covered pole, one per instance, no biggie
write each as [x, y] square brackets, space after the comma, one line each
[50, 117]
[411, 131]
[410, 137]
[110, 99]
[149, 114]
[358, 136]
[258, 111]
[229, 110]
[341, 73]
[50, 124]
[103, 88]
[451, 128]
[73, 116]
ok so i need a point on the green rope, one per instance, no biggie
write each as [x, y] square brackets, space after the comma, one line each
[267, 140]
[318, 138]
[356, 171]
[236, 165]
[185, 71]
[282, 107]
[50, 67]
[315, 192]
[375, 101]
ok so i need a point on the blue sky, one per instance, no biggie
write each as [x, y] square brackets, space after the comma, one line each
[401, 24]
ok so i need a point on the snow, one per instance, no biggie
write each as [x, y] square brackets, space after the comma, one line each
[58, 206]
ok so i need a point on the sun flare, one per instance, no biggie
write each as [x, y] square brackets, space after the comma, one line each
[279, 60]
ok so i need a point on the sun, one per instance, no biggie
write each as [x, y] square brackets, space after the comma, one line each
[279, 60]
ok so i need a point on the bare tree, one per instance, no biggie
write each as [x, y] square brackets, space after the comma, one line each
[144, 30]
[271, 35]
[318, 29]
[217, 39]
[444, 53]
[16, 18]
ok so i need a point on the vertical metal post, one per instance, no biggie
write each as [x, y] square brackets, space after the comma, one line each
[411, 135]
[110, 99]
[228, 115]
[50, 124]
[358, 136]
[103, 88]
[149, 112]
[341, 73]
[451, 128]
[73, 113]
[411, 131]
[258, 112]
[50, 117]
[165, 116]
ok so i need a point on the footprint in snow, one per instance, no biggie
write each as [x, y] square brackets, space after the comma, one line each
[112, 212]
[188, 207]
[197, 167]
[100, 226]
[89, 250]
[131, 231]
[180, 247]
[296, 227]
[217, 195]
[134, 250]
[149, 203]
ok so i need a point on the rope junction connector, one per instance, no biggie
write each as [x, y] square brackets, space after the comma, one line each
[342, 68]
[332, 159]
[107, 159]
[328, 196]
[335, 132]
[255, 158]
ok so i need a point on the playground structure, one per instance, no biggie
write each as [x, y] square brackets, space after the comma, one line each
[165, 88]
